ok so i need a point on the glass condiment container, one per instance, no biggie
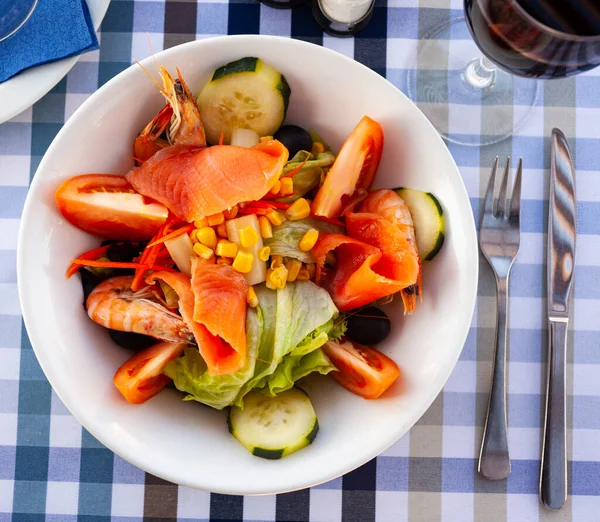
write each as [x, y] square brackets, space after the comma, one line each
[343, 17]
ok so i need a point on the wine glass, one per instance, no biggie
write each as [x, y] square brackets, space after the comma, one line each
[13, 15]
[479, 99]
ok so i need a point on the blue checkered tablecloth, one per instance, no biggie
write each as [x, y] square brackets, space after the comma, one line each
[52, 470]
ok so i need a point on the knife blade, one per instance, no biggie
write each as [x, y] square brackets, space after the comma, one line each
[562, 216]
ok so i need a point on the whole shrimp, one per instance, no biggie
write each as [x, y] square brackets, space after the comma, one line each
[389, 205]
[179, 120]
[114, 305]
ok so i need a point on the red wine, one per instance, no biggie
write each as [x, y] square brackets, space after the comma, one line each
[537, 38]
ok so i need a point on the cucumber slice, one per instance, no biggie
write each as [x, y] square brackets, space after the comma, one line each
[428, 219]
[273, 427]
[247, 94]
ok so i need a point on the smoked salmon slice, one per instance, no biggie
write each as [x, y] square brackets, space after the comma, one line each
[399, 260]
[353, 282]
[220, 302]
[219, 356]
[195, 182]
[375, 260]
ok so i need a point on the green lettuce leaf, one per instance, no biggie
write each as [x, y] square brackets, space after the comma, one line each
[302, 308]
[287, 236]
[304, 180]
[190, 374]
[293, 368]
[284, 334]
[323, 159]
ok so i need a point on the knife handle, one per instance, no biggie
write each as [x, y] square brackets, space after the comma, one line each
[553, 472]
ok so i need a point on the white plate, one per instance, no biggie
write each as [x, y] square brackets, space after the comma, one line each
[23, 90]
[188, 443]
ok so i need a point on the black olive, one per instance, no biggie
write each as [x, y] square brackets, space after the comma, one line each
[131, 340]
[89, 281]
[368, 325]
[294, 138]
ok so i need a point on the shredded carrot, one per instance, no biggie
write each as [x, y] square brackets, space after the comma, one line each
[148, 255]
[115, 264]
[221, 138]
[328, 220]
[95, 253]
[297, 169]
[172, 235]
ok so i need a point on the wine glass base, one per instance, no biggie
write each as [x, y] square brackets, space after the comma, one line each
[464, 105]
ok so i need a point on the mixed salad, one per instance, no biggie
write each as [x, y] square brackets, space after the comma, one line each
[240, 255]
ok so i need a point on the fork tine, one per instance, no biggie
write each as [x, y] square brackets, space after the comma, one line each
[501, 204]
[489, 194]
[515, 202]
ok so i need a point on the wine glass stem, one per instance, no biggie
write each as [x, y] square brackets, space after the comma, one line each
[480, 73]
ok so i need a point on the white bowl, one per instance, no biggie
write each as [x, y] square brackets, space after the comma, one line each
[188, 443]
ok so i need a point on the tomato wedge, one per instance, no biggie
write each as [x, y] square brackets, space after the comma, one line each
[141, 377]
[353, 169]
[362, 370]
[107, 206]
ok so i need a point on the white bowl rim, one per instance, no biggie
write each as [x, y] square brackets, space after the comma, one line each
[87, 418]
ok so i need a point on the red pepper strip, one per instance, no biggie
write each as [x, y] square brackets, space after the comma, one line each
[260, 204]
[172, 235]
[253, 210]
[296, 170]
[90, 254]
[328, 220]
[278, 204]
[115, 264]
[221, 138]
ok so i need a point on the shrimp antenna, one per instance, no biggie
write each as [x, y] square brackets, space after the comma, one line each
[152, 53]
[162, 91]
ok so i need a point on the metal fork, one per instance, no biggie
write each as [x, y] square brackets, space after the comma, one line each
[499, 239]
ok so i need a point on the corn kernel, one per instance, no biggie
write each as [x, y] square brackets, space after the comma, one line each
[216, 219]
[317, 148]
[278, 277]
[264, 253]
[248, 237]
[207, 236]
[226, 248]
[311, 267]
[276, 188]
[299, 209]
[199, 223]
[194, 235]
[203, 251]
[287, 186]
[266, 230]
[252, 298]
[222, 230]
[224, 261]
[268, 283]
[303, 275]
[293, 267]
[265, 138]
[276, 261]
[243, 262]
[308, 239]
[274, 217]
[231, 213]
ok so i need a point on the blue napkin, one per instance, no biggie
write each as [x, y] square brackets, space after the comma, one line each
[57, 29]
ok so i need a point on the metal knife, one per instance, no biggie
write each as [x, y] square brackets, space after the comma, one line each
[560, 268]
